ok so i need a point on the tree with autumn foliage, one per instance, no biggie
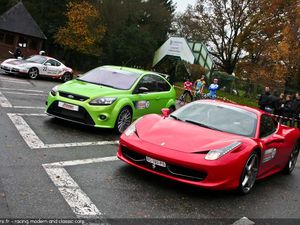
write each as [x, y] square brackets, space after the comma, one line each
[223, 25]
[83, 31]
[273, 53]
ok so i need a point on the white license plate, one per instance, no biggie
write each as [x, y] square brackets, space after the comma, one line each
[68, 106]
[156, 162]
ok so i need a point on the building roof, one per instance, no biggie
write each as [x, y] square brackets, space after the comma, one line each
[18, 20]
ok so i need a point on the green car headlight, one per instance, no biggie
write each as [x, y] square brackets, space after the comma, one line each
[103, 101]
[218, 153]
[54, 90]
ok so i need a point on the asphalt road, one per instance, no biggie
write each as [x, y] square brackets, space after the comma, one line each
[55, 169]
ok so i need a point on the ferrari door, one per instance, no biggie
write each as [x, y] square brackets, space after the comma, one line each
[272, 143]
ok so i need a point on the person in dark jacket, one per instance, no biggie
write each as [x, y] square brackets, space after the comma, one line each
[279, 104]
[272, 103]
[18, 52]
[287, 109]
[296, 109]
[264, 99]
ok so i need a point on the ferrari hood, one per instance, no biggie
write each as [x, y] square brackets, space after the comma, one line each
[182, 136]
[88, 89]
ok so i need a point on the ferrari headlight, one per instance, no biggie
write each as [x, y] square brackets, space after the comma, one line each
[132, 128]
[103, 101]
[218, 153]
[54, 90]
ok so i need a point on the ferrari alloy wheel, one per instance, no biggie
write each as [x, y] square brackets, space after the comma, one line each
[33, 73]
[249, 174]
[124, 120]
[292, 160]
[66, 77]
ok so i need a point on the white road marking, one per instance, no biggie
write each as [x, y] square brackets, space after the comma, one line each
[78, 200]
[6, 104]
[81, 144]
[25, 90]
[22, 93]
[34, 142]
[28, 107]
[13, 81]
[4, 101]
[29, 136]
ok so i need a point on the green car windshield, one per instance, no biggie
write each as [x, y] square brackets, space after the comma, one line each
[118, 79]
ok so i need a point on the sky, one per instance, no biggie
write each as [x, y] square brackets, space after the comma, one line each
[182, 4]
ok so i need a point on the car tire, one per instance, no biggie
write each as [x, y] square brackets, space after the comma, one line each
[33, 73]
[249, 174]
[290, 166]
[124, 119]
[66, 77]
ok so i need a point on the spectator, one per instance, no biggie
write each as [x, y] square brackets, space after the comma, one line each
[296, 110]
[264, 99]
[199, 86]
[287, 108]
[18, 52]
[42, 53]
[188, 85]
[271, 102]
[213, 89]
[279, 104]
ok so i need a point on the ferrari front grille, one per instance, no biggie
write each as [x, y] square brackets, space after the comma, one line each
[134, 156]
[186, 173]
[171, 170]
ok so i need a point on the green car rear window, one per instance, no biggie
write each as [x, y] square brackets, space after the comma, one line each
[114, 78]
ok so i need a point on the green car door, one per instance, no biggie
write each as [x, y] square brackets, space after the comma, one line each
[144, 97]
[151, 94]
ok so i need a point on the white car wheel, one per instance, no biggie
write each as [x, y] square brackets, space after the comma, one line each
[33, 73]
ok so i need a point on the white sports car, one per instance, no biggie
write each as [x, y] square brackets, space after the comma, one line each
[38, 65]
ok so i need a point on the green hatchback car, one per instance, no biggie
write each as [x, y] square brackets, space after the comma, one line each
[111, 97]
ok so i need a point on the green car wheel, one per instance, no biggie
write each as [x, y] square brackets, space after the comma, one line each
[124, 120]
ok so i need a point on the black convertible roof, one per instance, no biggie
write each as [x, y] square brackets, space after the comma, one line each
[18, 20]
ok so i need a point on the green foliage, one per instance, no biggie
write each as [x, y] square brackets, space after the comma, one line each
[135, 30]
[133, 47]
[6, 4]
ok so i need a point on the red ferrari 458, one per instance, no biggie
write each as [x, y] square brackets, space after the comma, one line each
[211, 144]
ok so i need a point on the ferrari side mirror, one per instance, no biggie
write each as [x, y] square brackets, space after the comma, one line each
[165, 112]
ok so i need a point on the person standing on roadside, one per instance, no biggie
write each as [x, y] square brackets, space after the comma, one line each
[199, 86]
[287, 109]
[18, 53]
[296, 110]
[188, 85]
[213, 89]
[279, 104]
[264, 99]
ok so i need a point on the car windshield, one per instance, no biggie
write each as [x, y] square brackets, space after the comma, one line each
[37, 59]
[218, 116]
[114, 78]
